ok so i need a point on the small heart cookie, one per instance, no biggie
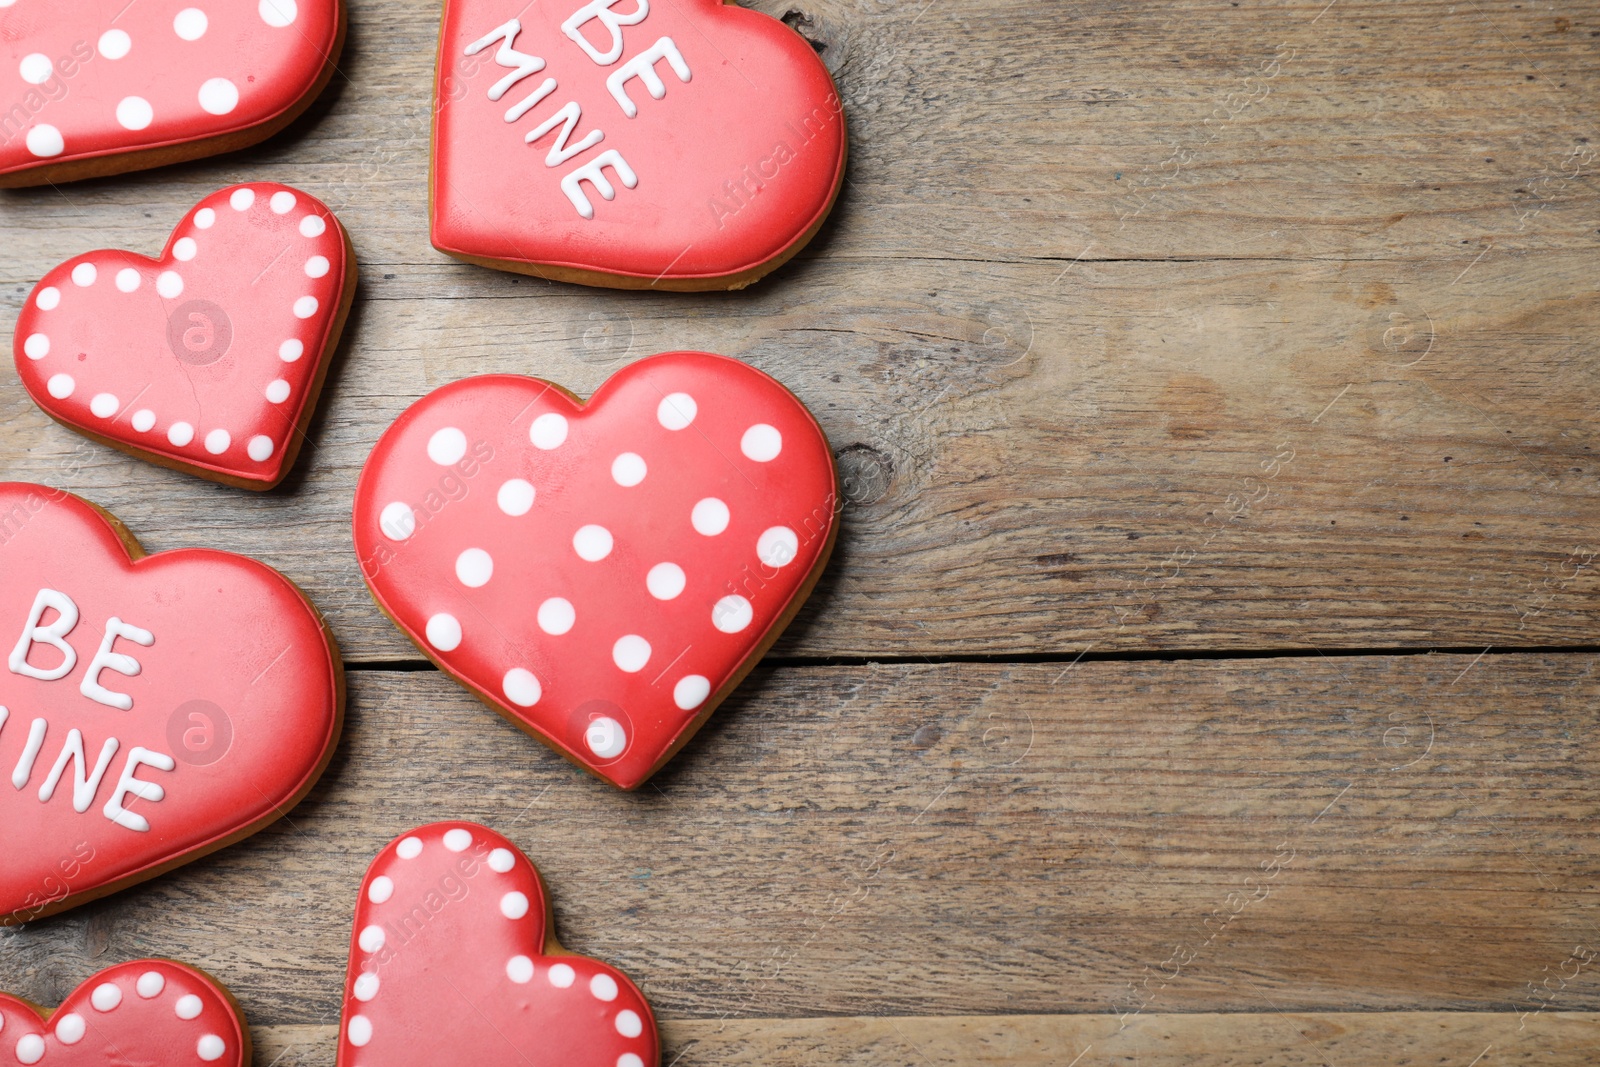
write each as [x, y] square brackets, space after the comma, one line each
[209, 358]
[453, 961]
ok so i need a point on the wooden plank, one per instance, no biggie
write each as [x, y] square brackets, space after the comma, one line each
[1349, 834]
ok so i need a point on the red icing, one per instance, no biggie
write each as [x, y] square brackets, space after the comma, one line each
[234, 643]
[460, 972]
[83, 101]
[141, 1012]
[156, 360]
[759, 112]
[455, 506]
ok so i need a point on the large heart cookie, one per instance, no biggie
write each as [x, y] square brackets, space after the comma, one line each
[93, 87]
[676, 144]
[208, 358]
[154, 709]
[602, 574]
[452, 961]
[145, 1012]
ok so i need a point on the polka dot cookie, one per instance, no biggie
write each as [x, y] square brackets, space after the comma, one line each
[96, 87]
[602, 574]
[208, 358]
[452, 960]
[143, 1012]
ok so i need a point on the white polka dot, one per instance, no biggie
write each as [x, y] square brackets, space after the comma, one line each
[305, 307]
[312, 226]
[397, 521]
[691, 691]
[372, 938]
[447, 446]
[710, 516]
[260, 448]
[521, 687]
[665, 581]
[501, 860]
[277, 390]
[603, 986]
[135, 113]
[631, 653]
[676, 411]
[732, 614]
[114, 44]
[777, 546]
[761, 443]
[70, 1028]
[36, 68]
[628, 469]
[515, 497]
[61, 386]
[592, 543]
[180, 433]
[129, 280]
[360, 1031]
[381, 889]
[457, 840]
[37, 346]
[205, 218]
[242, 199]
[316, 266]
[144, 420]
[210, 1047]
[30, 1049]
[556, 616]
[282, 202]
[169, 283]
[444, 632]
[629, 1024]
[366, 986]
[217, 441]
[561, 975]
[188, 1006]
[519, 969]
[409, 848]
[628, 1059]
[291, 350]
[150, 984]
[185, 249]
[49, 298]
[474, 568]
[514, 905]
[548, 431]
[106, 996]
[84, 274]
[44, 140]
[277, 13]
[104, 405]
[190, 24]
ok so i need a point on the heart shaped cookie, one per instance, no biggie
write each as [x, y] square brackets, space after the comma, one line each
[96, 87]
[152, 708]
[602, 574]
[630, 143]
[137, 1013]
[208, 358]
[452, 961]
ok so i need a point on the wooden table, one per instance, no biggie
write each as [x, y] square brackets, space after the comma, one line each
[1208, 670]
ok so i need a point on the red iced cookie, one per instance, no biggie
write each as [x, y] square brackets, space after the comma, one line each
[143, 1012]
[452, 961]
[152, 709]
[209, 358]
[602, 574]
[93, 87]
[629, 143]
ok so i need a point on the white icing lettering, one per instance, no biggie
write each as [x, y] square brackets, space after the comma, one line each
[5, 714]
[643, 67]
[85, 785]
[53, 634]
[592, 172]
[517, 110]
[560, 152]
[128, 785]
[613, 22]
[521, 65]
[123, 664]
[30, 752]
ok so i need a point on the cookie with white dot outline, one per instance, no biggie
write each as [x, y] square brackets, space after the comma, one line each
[209, 358]
[140, 1012]
[601, 574]
[97, 87]
[453, 960]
